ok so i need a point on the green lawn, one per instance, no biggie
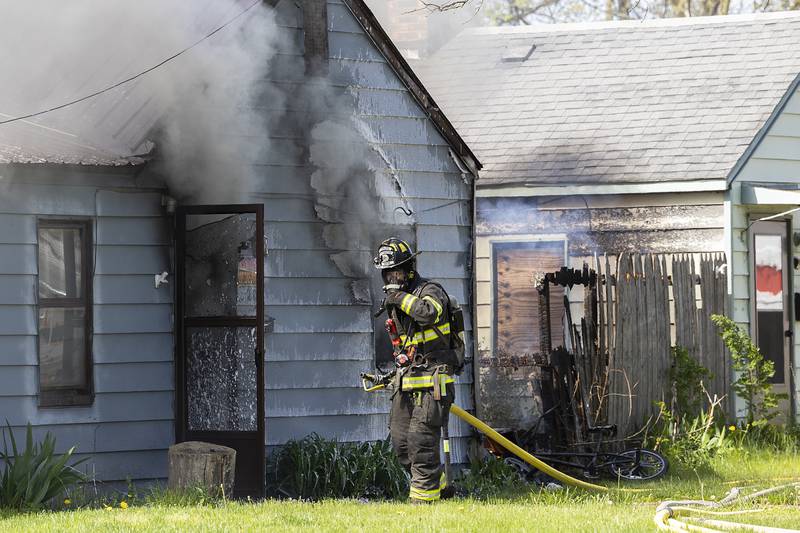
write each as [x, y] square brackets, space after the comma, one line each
[563, 511]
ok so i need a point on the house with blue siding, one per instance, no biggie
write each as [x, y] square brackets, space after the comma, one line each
[137, 310]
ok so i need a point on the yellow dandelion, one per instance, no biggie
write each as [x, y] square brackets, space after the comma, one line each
[732, 428]
[67, 502]
[123, 505]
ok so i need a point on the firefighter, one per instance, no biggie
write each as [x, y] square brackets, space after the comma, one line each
[423, 388]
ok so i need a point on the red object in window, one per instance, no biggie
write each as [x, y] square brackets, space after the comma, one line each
[768, 279]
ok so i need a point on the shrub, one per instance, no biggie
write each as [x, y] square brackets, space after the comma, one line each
[686, 376]
[35, 475]
[753, 384]
[690, 441]
[315, 468]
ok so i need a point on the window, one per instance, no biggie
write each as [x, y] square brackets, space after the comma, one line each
[65, 313]
[516, 300]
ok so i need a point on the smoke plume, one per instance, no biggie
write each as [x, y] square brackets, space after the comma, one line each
[192, 108]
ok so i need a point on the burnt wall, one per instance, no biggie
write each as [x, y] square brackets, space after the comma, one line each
[508, 391]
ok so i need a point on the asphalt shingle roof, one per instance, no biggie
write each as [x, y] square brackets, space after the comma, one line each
[618, 102]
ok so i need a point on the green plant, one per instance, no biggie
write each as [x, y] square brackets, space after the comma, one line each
[35, 475]
[195, 496]
[690, 441]
[753, 383]
[490, 477]
[315, 468]
[686, 376]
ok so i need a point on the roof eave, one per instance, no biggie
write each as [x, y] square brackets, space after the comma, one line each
[529, 190]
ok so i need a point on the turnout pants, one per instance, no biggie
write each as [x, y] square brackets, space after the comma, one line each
[415, 425]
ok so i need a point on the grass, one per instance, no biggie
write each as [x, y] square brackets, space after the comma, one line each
[568, 510]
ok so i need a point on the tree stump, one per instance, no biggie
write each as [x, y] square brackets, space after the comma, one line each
[200, 464]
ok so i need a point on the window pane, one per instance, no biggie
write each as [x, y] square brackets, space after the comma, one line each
[62, 348]
[221, 265]
[60, 262]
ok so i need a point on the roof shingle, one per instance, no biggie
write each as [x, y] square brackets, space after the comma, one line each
[616, 102]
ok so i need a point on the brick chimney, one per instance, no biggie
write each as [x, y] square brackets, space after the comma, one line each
[315, 28]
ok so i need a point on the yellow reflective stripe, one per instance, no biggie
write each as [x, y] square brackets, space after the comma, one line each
[408, 301]
[402, 246]
[420, 494]
[393, 246]
[443, 480]
[425, 382]
[429, 334]
[435, 304]
[446, 446]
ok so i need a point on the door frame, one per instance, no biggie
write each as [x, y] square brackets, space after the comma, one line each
[182, 432]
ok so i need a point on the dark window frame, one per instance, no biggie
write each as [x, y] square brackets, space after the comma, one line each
[70, 396]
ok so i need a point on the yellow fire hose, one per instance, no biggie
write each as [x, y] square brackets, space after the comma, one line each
[519, 452]
[507, 444]
[667, 514]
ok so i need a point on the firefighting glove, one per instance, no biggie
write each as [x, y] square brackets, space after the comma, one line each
[395, 297]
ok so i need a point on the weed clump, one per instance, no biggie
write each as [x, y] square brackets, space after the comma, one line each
[315, 468]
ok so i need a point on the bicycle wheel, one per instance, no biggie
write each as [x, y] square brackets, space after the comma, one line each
[650, 465]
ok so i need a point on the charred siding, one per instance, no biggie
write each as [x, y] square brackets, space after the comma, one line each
[322, 336]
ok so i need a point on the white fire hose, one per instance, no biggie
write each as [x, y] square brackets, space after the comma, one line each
[673, 515]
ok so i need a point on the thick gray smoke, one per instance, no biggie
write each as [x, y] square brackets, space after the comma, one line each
[55, 51]
[206, 118]
[356, 189]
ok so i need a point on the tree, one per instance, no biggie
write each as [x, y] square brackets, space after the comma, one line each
[518, 12]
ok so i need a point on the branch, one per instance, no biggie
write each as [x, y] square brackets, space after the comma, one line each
[445, 6]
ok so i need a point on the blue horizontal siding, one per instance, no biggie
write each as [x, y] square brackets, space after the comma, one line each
[321, 319]
[18, 259]
[131, 348]
[17, 229]
[18, 289]
[18, 350]
[132, 259]
[308, 291]
[107, 407]
[132, 318]
[134, 377]
[148, 231]
[106, 437]
[314, 346]
[131, 289]
[18, 320]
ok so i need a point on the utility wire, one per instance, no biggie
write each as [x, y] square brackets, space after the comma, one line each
[123, 82]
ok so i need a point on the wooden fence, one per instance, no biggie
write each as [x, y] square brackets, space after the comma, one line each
[646, 304]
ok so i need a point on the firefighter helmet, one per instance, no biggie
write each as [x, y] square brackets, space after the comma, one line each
[394, 252]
